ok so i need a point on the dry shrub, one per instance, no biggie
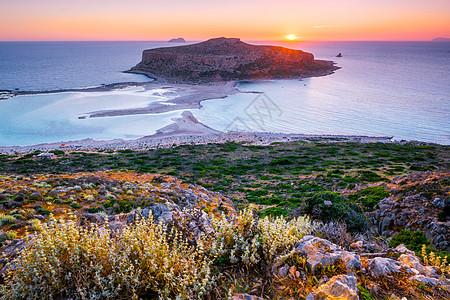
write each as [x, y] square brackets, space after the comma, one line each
[146, 259]
[249, 240]
[70, 261]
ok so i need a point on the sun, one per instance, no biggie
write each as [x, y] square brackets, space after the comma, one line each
[291, 37]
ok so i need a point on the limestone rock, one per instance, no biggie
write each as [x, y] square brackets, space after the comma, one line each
[416, 210]
[430, 281]
[338, 287]
[320, 252]
[245, 297]
[381, 266]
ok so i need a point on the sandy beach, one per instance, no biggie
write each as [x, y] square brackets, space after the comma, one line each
[187, 130]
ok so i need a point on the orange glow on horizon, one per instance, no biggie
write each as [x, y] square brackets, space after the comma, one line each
[262, 20]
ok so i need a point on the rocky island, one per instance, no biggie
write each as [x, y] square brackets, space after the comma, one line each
[177, 40]
[228, 59]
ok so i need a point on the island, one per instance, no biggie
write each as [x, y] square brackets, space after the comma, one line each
[229, 59]
[177, 40]
[441, 39]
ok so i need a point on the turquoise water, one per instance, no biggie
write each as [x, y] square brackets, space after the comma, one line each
[34, 119]
[398, 89]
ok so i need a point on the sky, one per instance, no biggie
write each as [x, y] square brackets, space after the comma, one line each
[263, 20]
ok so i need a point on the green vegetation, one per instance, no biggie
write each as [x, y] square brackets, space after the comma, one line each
[336, 183]
[413, 240]
[281, 177]
[369, 197]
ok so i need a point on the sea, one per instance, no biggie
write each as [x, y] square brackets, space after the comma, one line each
[395, 89]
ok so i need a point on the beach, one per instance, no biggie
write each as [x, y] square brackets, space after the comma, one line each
[187, 130]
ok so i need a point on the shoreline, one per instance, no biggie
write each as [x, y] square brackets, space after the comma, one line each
[187, 130]
[167, 141]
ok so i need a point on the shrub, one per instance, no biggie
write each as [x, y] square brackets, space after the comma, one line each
[80, 263]
[35, 225]
[413, 240]
[274, 211]
[370, 176]
[437, 260]
[336, 233]
[369, 197]
[249, 240]
[281, 161]
[9, 235]
[75, 205]
[57, 152]
[7, 219]
[341, 210]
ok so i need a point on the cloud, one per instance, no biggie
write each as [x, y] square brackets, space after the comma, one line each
[324, 26]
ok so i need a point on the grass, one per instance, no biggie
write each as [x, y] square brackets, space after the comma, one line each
[288, 173]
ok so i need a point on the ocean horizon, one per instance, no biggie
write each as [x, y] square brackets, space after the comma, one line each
[397, 89]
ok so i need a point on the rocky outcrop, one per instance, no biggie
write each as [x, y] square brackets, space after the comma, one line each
[226, 59]
[418, 202]
[347, 275]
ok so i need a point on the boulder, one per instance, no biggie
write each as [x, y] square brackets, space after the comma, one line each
[320, 252]
[381, 266]
[431, 282]
[343, 287]
[412, 264]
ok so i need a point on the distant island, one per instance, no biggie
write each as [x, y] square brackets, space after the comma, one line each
[228, 59]
[441, 39]
[177, 40]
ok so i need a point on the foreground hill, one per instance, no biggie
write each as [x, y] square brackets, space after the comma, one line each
[226, 59]
[292, 220]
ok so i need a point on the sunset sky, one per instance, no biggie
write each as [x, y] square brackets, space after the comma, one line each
[48, 20]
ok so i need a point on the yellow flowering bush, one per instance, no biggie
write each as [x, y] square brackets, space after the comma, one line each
[433, 259]
[144, 259]
[250, 240]
[79, 263]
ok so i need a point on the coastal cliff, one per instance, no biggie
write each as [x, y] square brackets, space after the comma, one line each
[226, 59]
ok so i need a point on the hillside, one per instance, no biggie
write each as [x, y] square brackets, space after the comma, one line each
[289, 220]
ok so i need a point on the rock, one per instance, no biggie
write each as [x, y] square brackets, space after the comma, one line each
[410, 208]
[245, 297]
[412, 263]
[402, 249]
[357, 245]
[439, 203]
[20, 197]
[320, 252]
[36, 196]
[430, 281]
[227, 59]
[283, 271]
[18, 225]
[39, 217]
[92, 218]
[160, 213]
[381, 266]
[11, 251]
[338, 287]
